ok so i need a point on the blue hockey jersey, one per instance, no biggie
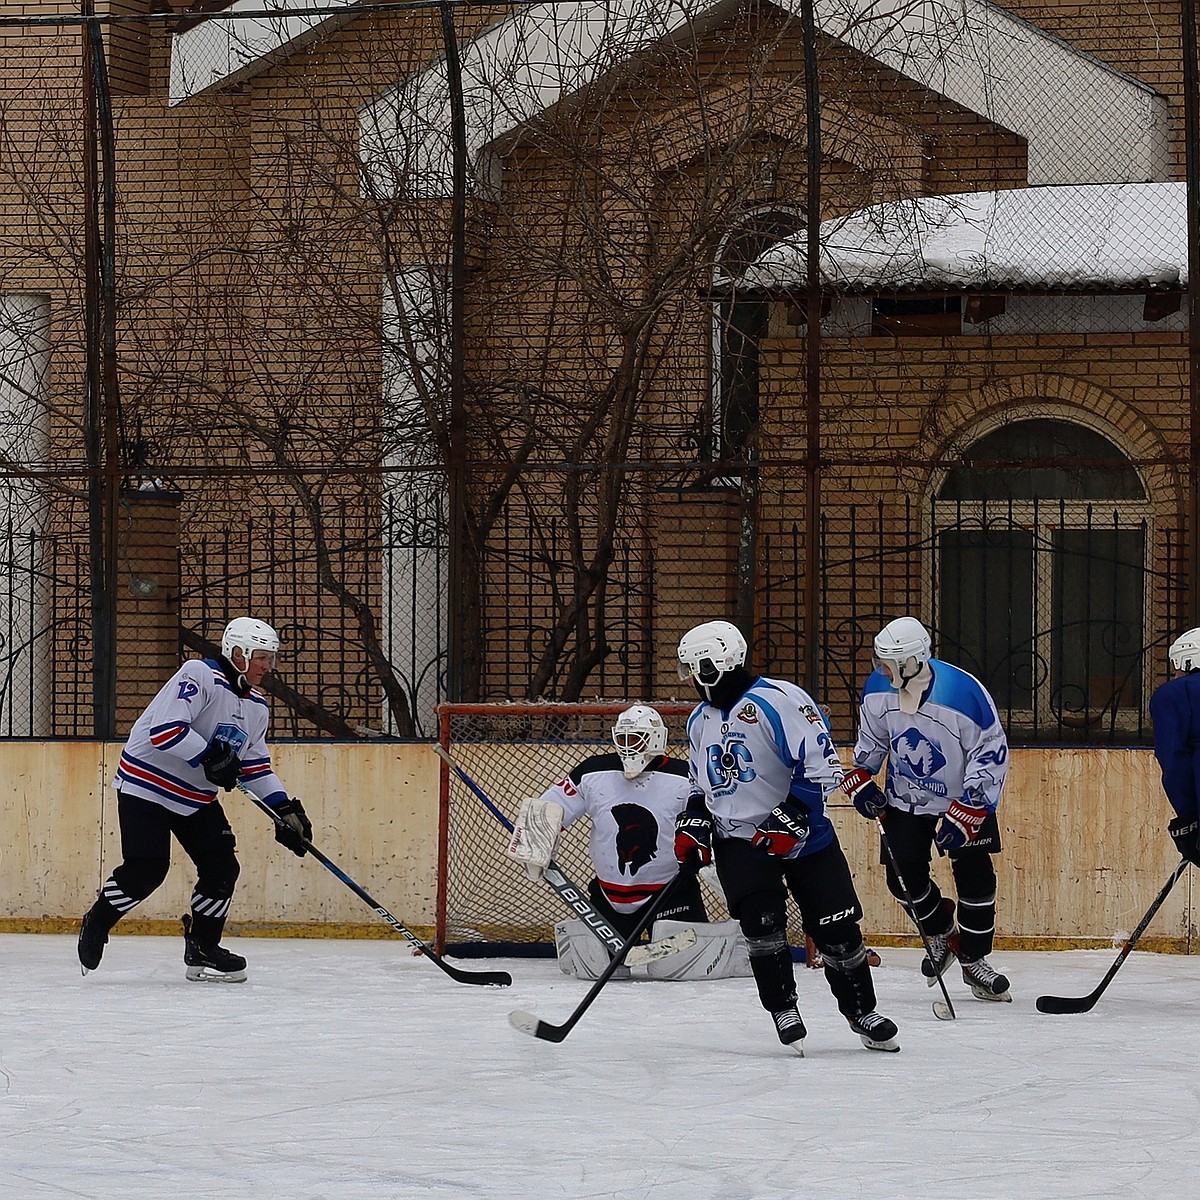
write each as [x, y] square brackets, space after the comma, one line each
[1175, 711]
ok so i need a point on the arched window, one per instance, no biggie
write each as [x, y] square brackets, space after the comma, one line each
[739, 324]
[1041, 535]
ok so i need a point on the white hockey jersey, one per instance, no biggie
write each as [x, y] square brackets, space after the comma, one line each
[952, 747]
[633, 823]
[160, 759]
[774, 742]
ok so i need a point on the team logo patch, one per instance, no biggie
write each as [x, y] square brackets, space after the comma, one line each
[810, 714]
[637, 836]
[919, 758]
[749, 714]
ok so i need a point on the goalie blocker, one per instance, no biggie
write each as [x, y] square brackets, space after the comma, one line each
[718, 952]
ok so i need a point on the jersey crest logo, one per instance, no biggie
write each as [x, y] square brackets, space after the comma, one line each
[749, 714]
[637, 836]
[918, 758]
[187, 690]
[811, 715]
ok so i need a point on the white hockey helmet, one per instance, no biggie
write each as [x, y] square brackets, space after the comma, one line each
[248, 635]
[708, 651]
[1185, 651]
[905, 646]
[640, 736]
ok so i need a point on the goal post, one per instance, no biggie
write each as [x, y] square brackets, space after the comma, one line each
[485, 903]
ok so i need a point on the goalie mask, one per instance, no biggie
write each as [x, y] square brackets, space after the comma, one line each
[1185, 651]
[710, 651]
[640, 737]
[903, 647]
[248, 635]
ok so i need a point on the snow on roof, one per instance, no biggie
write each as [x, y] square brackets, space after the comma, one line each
[1056, 238]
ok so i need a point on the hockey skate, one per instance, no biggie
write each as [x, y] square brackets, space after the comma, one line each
[92, 940]
[790, 1028]
[945, 951]
[985, 983]
[876, 1032]
[211, 964]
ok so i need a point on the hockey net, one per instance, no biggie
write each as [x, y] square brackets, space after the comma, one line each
[485, 902]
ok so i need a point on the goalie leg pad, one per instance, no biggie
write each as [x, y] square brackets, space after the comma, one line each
[581, 953]
[535, 835]
[719, 952]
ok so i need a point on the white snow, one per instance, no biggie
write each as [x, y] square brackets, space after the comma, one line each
[1098, 236]
[353, 1069]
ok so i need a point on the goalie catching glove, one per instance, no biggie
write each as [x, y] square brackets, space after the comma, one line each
[863, 792]
[960, 826]
[784, 831]
[535, 835]
[293, 828]
[694, 833]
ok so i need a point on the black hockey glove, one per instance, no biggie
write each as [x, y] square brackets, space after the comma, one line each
[784, 831]
[694, 833]
[1185, 832]
[221, 764]
[863, 792]
[294, 828]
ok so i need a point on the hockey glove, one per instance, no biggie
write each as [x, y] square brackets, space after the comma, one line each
[784, 831]
[694, 833]
[294, 828]
[1184, 830]
[960, 826]
[221, 764]
[864, 793]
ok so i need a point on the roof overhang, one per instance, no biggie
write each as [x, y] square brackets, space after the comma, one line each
[1067, 238]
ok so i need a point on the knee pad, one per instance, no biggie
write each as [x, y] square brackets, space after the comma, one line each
[845, 956]
[216, 876]
[138, 877]
[763, 916]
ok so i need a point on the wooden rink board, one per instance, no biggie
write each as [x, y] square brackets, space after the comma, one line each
[1084, 832]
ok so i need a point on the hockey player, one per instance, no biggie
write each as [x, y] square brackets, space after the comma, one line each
[206, 729]
[947, 758]
[762, 764]
[1175, 711]
[632, 797]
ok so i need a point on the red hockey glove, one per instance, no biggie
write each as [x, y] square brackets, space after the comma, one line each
[864, 793]
[784, 831]
[960, 826]
[694, 833]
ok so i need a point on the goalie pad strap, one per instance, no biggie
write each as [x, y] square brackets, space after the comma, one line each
[719, 952]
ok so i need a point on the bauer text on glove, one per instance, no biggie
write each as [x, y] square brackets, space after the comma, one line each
[784, 831]
[694, 833]
[221, 764]
[1186, 834]
[960, 826]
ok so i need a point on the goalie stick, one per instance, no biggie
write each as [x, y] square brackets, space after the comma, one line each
[495, 978]
[1080, 1004]
[943, 1011]
[575, 899]
[527, 1022]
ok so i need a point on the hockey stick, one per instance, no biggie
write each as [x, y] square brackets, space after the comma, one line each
[527, 1022]
[575, 899]
[1080, 1004]
[943, 1012]
[495, 978]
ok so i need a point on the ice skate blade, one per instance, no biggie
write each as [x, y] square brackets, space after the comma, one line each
[982, 994]
[208, 975]
[890, 1045]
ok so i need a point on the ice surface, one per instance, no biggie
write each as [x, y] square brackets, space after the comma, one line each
[352, 1069]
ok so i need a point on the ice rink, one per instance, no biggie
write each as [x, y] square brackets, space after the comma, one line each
[352, 1069]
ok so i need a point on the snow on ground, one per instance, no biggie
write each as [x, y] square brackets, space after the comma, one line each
[352, 1069]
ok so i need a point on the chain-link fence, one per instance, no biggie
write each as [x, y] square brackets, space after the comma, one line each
[471, 348]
